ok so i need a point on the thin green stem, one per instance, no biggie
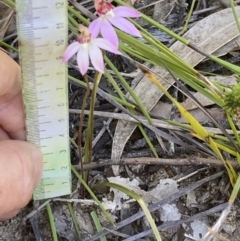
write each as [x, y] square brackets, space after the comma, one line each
[122, 102]
[188, 18]
[52, 223]
[80, 131]
[73, 21]
[78, 15]
[147, 140]
[97, 224]
[92, 194]
[233, 127]
[235, 14]
[129, 89]
[88, 144]
[8, 46]
[9, 3]
[114, 84]
[70, 208]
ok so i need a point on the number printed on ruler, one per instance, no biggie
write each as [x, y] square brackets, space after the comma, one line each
[42, 30]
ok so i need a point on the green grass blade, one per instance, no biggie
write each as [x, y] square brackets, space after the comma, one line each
[75, 223]
[97, 224]
[92, 194]
[235, 190]
[8, 46]
[140, 201]
[52, 223]
[235, 14]
[9, 3]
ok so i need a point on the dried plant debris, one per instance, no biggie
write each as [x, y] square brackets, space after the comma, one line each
[219, 29]
[182, 208]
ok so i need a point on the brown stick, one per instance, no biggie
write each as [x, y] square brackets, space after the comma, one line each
[82, 9]
[157, 161]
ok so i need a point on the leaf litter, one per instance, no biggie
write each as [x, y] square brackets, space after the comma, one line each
[178, 207]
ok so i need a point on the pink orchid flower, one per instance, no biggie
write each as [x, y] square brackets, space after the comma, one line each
[108, 16]
[87, 47]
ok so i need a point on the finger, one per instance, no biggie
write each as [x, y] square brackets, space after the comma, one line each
[12, 118]
[3, 135]
[9, 215]
[21, 169]
[11, 104]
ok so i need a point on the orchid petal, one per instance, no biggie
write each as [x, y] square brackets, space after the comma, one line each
[96, 58]
[97, 4]
[95, 27]
[83, 60]
[104, 44]
[70, 51]
[127, 12]
[126, 26]
[109, 33]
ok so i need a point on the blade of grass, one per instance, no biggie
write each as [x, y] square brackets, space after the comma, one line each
[97, 224]
[188, 18]
[196, 126]
[70, 208]
[9, 3]
[122, 102]
[147, 140]
[78, 15]
[186, 42]
[92, 195]
[233, 127]
[235, 14]
[140, 201]
[129, 89]
[52, 223]
[7, 46]
[88, 142]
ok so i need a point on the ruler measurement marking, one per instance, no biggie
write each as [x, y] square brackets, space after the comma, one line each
[45, 87]
[37, 8]
[41, 46]
[40, 28]
[45, 75]
[41, 60]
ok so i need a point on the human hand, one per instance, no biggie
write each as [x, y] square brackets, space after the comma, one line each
[20, 161]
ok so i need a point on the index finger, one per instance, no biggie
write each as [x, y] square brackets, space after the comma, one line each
[11, 104]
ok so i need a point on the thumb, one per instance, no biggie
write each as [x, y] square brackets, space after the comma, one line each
[20, 171]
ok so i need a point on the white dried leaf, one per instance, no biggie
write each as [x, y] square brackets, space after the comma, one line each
[169, 212]
[196, 229]
[164, 189]
[209, 34]
[118, 195]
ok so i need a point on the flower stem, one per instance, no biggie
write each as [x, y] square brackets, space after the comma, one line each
[81, 123]
[88, 144]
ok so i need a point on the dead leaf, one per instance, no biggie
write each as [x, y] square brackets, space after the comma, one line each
[6, 15]
[219, 29]
[162, 9]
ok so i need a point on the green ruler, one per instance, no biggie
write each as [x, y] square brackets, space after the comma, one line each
[42, 32]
